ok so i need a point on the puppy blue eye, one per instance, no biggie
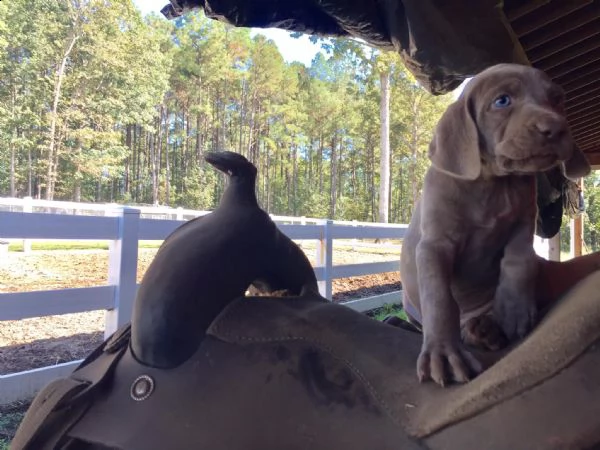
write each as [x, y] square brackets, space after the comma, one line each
[502, 102]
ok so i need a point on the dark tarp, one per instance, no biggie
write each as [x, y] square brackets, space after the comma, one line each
[442, 42]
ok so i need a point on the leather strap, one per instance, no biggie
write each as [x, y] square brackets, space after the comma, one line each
[61, 403]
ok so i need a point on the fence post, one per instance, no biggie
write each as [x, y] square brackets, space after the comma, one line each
[325, 259]
[179, 213]
[122, 268]
[27, 208]
[354, 241]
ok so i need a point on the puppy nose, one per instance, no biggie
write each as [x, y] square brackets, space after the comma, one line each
[551, 128]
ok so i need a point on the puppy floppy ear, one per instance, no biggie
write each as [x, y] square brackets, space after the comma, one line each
[454, 148]
[577, 166]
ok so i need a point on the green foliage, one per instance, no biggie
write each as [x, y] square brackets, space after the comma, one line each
[592, 214]
[138, 101]
[389, 309]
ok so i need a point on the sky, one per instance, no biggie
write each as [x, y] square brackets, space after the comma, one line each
[301, 49]
[291, 49]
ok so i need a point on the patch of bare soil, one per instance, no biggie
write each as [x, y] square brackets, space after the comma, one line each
[38, 342]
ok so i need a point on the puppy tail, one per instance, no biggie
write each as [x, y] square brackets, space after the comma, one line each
[232, 164]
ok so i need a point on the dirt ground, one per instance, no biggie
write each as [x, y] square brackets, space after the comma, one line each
[31, 343]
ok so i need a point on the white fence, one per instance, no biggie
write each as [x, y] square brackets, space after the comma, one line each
[124, 227]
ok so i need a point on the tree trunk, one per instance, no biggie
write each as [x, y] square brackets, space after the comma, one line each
[384, 163]
[13, 190]
[77, 191]
[11, 144]
[60, 74]
[199, 143]
[333, 165]
[153, 169]
[294, 178]
[126, 186]
[251, 127]
[29, 172]
[167, 164]
[320, 163]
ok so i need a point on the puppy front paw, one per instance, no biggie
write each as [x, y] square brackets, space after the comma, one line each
[483, 332]
[445, 360]
[516, 315]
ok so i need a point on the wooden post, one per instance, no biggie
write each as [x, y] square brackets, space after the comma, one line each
[27, 208]
[325, 260]
[122, 269]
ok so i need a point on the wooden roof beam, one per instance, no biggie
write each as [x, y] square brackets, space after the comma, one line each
[578, 115]
[546, 15]
[569, 54]
[593, 157]
[583, 92]
[519, 10]
[583, 102]
[566, 41]
[590, 76]
[579, 123]
[580, 131]
[588, 138]
[576, 19]
[574, 64]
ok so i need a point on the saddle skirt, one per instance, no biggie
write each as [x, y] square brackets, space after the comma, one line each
[304, 373]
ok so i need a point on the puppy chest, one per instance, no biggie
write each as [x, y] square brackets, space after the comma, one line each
[481, 253]
[498, 203]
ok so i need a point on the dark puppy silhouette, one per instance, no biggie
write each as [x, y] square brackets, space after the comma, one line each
[208, 262]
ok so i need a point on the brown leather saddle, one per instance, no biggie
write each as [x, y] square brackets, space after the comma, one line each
[303, 373]
[299, 372]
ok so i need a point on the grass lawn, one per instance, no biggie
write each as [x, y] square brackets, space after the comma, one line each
[10, 418]
[74, 245]
[387, 310]
[366, 246]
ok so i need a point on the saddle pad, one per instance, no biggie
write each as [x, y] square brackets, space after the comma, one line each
[384, 357]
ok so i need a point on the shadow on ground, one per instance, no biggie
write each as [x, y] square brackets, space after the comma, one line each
[47, 352]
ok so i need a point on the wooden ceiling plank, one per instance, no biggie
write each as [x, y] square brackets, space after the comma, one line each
[593, 150]
[585, 148]
[574, 64]
[546, 15]
[568, 54]
[587, 138]
[574, 20]
[578, 115]
[584, 78]
[583, 107]
[583, 92]
[584, 128]
[594, 159]
[576, 105]
[569, 39]
[519, 10]
[578, 123]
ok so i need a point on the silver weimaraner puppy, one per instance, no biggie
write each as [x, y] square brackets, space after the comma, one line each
[468, 265]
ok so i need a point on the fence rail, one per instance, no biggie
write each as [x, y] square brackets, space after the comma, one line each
[124, 227]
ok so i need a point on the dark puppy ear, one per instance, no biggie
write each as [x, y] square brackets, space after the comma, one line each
[577, 166]
[455, 146]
